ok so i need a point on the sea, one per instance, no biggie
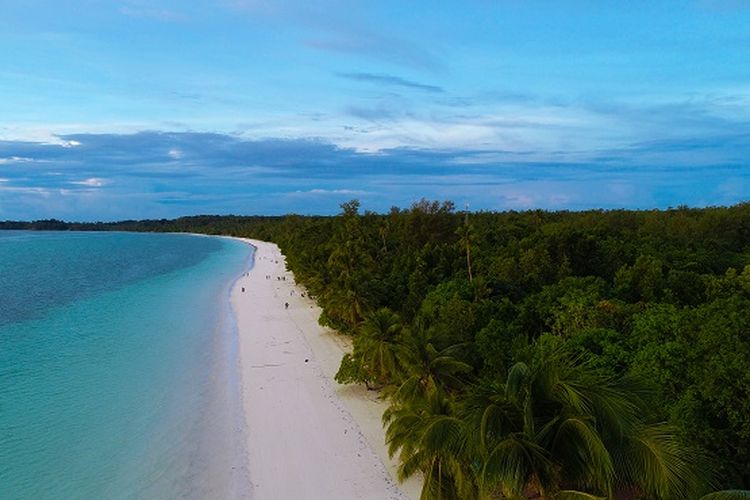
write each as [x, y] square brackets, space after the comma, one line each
[119, 374]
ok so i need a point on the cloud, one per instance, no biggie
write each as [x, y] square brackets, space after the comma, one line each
[348, 192]
[186, 96]
[220, 173]
[142, 10]
[30, 190]
[380, 113]
[387, 49]
[340, 27]
[15, 160]
[90, 182]
[383, 79]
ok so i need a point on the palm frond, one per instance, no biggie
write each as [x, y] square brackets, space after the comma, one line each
[727, 495]
[662, 466]
[518, 377]
[576, 495]
[443, 432]
[512, 464]
[584, 457]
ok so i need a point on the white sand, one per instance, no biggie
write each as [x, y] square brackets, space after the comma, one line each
[308, 436]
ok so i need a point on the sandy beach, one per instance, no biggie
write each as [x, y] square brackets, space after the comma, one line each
[308, 436]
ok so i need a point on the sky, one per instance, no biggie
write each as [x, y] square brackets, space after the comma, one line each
[161, 108]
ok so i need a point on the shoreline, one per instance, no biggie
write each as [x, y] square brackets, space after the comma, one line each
[307, 436]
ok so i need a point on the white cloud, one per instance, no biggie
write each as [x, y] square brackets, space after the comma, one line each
[44, 192]
[15, 159]
[90, 182]
[333, 191]
[519, 200]
[511, 128]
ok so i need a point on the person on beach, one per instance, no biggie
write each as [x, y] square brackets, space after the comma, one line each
[286, 305]
[243, 289]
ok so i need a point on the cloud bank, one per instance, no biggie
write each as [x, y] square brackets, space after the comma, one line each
[163, 174]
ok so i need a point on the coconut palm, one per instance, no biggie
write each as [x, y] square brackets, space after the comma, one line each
[558, 429]
[379, 345]
[466, 238]
[429, 369]
[343, 308]
[431, 440]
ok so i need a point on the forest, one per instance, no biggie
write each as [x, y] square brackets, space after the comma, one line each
[534, 354]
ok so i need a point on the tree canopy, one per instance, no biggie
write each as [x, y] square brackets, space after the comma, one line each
[525, 354]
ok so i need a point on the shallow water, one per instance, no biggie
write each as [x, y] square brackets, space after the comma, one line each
[118, 366]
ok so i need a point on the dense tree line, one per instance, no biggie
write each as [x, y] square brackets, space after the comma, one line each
[597, 343]
[537, 354]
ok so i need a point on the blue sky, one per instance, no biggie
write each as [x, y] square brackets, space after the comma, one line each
[135, 108]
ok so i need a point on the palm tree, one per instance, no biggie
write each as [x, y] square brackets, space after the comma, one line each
[343, 309]
[466, 236]
[431, 439]
[511, 463]
[383, 232]
[429, 369]
[558, 429]
[379, 345]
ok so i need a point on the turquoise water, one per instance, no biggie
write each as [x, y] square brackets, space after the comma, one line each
[118, 366]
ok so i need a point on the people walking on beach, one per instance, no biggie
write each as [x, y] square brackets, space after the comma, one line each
[243, 289]
[286, 305]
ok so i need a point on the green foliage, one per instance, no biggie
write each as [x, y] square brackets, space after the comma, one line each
[555, 428]
[431, 439]
[429, 369]
[380, 351]
[499, 341]
[727, 495]
[352, 371]
[445, 313]
[643, 281]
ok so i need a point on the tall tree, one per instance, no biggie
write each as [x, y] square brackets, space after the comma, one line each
[556, 427]
[380, 348]
[466, 236]
[431, 439]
